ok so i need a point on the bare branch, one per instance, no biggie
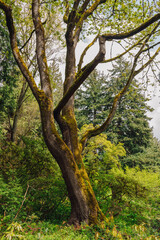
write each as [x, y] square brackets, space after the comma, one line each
[84, 53]
[147, 63]
[31, 34]
[150, 47]
[122, 54]
[27, 40]
[24, 198]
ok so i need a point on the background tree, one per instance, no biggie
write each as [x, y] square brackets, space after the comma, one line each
[148, 159]
[91, 100]
[67, 150]
[9, 76]
[131, 123]
[94, 101]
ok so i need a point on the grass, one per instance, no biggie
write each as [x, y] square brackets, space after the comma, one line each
[49, 231]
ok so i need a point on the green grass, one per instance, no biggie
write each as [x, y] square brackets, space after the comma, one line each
[49, 231]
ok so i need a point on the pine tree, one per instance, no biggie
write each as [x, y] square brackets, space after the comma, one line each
[130, 124]
[91, 100]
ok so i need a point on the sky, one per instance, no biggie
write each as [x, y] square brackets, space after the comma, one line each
[155, 115]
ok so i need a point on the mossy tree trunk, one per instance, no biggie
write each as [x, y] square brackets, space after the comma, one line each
[67, 150]
[84, 206]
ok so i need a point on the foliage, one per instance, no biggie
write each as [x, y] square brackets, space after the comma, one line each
[11, 197]
[126, 193]
[31, 164]
[131, 123]
[91, 100]
[10, 89]
[96, 148]
[13, 232]
[148, 159]
[133, 183]
[119, 16]
[47, 198]
[56, 81]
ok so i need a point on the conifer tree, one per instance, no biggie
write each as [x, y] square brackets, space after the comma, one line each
[94, 100]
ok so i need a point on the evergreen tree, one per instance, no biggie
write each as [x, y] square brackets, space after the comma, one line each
[130, 124]
[91, 100]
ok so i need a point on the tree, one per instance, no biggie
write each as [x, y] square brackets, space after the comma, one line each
[9, 75]
[94, 100]
[78, 16]
[131, 123]
[91, 100]
[149, 159]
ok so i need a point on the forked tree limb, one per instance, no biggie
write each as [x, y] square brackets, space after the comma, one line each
[127, 50]
[86, 70]
[111, 59]
[85, 14]
[81, 76]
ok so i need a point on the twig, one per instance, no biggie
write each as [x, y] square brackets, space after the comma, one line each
[22, 201]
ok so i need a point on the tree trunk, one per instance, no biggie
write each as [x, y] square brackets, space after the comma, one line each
[17, 112]
[84, 206]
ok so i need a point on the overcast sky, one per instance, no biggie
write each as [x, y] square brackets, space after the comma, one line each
[155, 115]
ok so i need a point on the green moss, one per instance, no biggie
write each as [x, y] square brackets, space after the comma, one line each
[45, 102]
